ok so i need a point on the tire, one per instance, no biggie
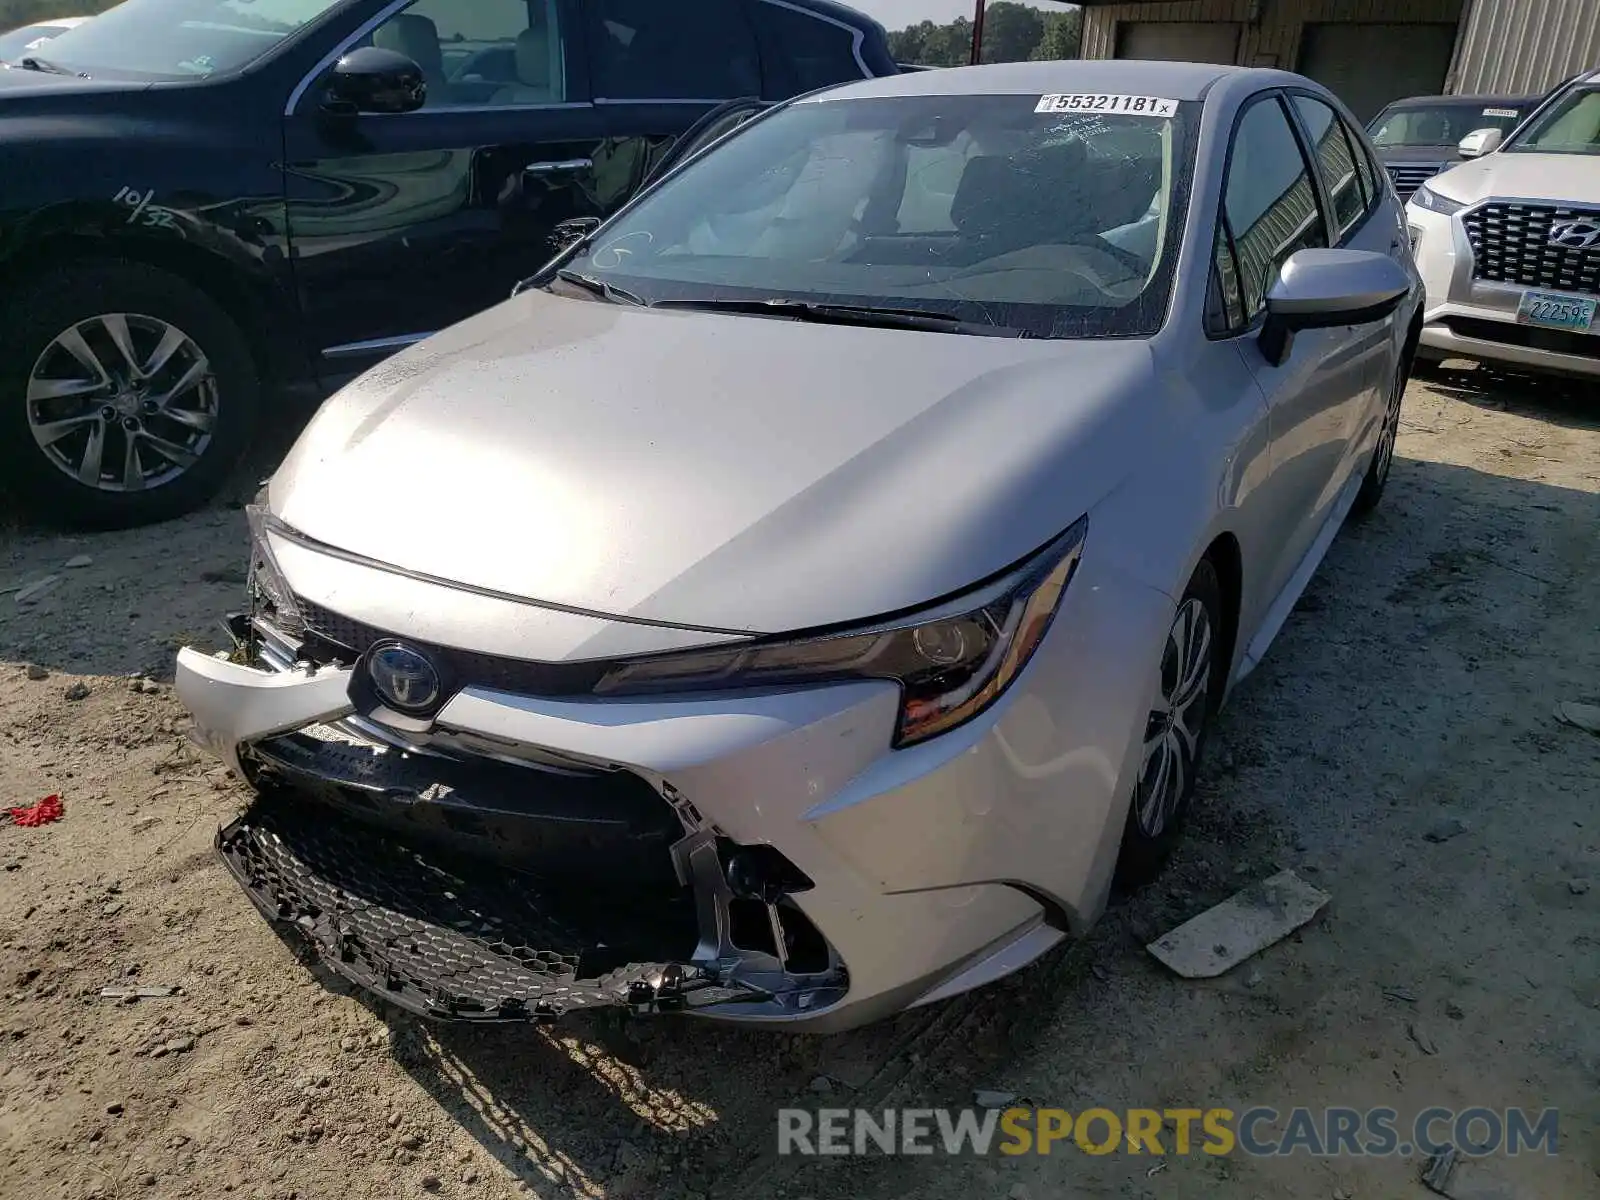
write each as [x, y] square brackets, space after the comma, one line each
[1377, 475]
[100, 355]
[1188, 697]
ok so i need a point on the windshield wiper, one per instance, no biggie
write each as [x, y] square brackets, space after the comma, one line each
[606, 291]
[34, 63]
[881, 317]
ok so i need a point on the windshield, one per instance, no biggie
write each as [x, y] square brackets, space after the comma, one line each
[1440, 124]
[975, 208]
[1570, 126]
[180, 39]
[18, 42]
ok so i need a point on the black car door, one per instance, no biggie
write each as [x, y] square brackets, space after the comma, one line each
[404, 223]
[656, 69]
[721, 120]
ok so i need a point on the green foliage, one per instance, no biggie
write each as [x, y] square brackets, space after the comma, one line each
[1011, 33]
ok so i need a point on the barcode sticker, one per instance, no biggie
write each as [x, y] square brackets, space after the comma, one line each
[1136, 106]
[1499, 112]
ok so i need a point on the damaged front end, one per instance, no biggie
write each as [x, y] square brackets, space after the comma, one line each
[464, 875]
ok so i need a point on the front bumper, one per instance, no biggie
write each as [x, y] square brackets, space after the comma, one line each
[762, 857]
[1477, 318]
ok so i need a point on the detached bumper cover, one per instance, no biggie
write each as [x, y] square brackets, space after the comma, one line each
[420, 930]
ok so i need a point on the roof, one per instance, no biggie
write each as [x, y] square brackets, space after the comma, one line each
[1169, 80]
[1430, 101]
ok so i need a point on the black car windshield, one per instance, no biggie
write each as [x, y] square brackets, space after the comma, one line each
[1440, 124]
[1570, 126]
[180, 39]
[988, 210]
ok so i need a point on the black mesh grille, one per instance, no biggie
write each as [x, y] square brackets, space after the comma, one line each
[1511, 244]
[446, 938]
[1407, 178]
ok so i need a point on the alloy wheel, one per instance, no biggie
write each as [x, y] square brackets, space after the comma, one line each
[1391, 427]
[122, 402]
[1172, 732]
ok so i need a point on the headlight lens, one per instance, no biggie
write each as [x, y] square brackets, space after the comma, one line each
[268, 589]
[1426, 198]
[950, 665]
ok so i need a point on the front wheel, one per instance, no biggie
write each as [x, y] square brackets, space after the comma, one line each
[126, 395]
[1383, 457]
[1188, 694]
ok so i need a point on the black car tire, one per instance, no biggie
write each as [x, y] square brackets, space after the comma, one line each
[1379, 469]
[1145, 850]
[147, 299]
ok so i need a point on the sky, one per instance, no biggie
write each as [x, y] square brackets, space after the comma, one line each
[897, 14]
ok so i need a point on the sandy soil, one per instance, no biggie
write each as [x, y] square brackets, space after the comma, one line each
[1415, 684]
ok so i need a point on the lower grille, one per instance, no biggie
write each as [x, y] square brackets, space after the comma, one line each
[557, 824]
[1511, 244]
[442, 936]
[1557, 341]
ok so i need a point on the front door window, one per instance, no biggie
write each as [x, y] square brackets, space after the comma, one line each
[477, 53]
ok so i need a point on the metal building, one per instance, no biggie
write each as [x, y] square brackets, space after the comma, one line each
[1368, 51]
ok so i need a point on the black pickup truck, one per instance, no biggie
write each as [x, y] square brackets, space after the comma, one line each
[204, 201]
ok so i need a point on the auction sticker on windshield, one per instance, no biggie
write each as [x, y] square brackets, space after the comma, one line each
[1136, 106]
[1555, 311]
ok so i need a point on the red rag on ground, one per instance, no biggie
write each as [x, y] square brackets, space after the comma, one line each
[47, 810]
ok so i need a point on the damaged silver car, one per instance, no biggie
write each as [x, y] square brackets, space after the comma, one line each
[806, 596]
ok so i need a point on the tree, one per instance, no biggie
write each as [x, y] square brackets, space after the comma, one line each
[1011, 33]
[1063, 31]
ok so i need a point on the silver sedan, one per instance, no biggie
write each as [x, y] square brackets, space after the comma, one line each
[808, 595]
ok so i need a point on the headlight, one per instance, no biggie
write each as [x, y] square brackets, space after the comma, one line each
[1426, 198]
[951, 663]
[270, 595]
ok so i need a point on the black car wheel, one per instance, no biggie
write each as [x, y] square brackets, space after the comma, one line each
[126, 395]
[1188, 694]
[1383, 456]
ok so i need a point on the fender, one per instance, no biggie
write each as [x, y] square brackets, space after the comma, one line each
[154, 183]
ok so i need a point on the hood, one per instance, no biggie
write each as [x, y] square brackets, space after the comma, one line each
[1418, 154]
[1560, 178]
[731, 473]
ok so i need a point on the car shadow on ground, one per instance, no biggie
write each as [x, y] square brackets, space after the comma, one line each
[1571, 403]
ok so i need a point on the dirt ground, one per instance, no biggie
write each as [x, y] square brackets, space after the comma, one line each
[1414, 685]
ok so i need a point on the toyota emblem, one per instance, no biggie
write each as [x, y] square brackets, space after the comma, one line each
[404, 680]
[1575, 235]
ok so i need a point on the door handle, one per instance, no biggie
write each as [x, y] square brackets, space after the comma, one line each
[558, 166]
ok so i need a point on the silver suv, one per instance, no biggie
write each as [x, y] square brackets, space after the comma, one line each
[1508, 243]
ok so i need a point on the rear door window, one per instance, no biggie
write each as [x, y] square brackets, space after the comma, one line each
[650, 50]
[803, 50]
[1336, 160]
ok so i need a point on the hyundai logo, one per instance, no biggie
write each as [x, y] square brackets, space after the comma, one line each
[1575, 235]
[403, 679]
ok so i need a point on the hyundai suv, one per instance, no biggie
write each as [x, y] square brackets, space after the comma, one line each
[1509, 243]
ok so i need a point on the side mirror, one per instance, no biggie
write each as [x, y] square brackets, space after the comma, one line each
[571, 232]
[1323, 289]
[1480, 142]
[374, 80]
